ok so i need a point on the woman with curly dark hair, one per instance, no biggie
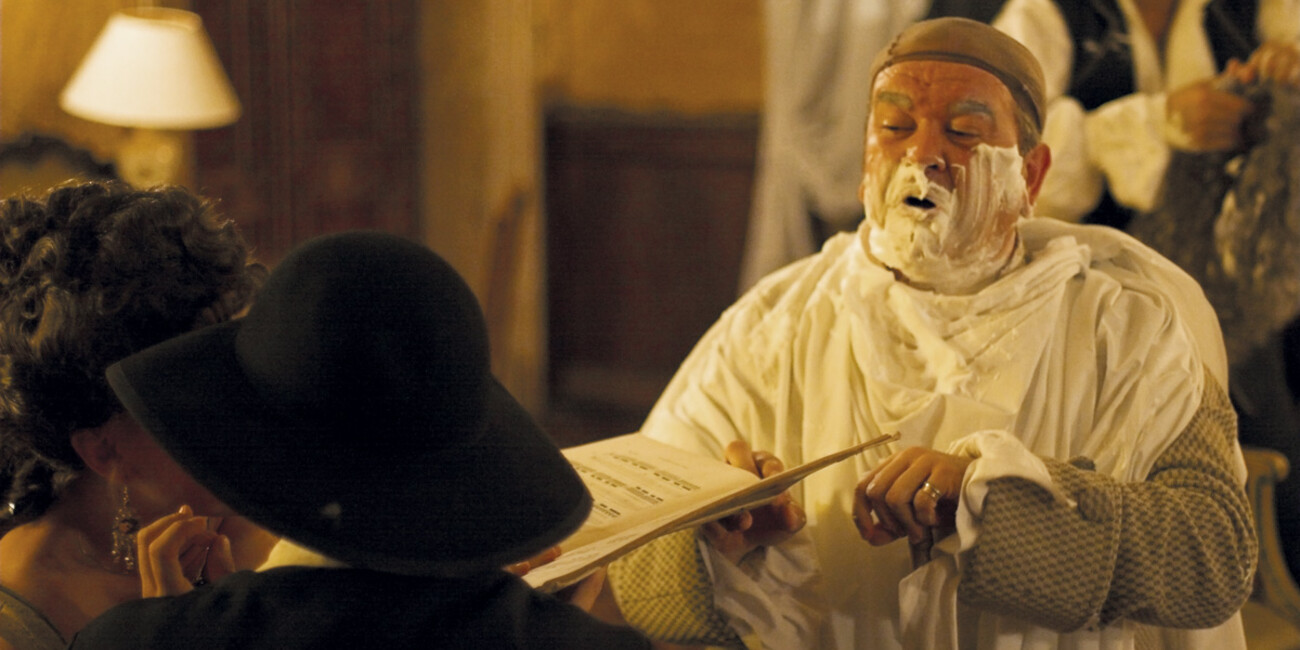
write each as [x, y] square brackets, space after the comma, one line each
[90, 274]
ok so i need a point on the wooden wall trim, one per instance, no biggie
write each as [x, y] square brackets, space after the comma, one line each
[646, 221]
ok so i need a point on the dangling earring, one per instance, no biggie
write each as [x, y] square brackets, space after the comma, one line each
[125, 526]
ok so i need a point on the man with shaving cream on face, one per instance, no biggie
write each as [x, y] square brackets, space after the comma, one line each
[1068, 474]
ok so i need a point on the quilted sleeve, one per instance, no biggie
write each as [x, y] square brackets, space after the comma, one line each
[663, 590]
[1176, 550]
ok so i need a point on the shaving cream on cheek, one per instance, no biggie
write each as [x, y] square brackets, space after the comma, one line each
[948, 241]
[996, 195]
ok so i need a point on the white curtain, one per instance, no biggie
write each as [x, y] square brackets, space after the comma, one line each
[819, 53]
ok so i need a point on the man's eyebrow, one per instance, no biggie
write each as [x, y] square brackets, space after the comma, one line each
[968, 106]
[896, 98]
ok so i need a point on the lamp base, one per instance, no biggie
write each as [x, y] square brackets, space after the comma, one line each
[151, 157]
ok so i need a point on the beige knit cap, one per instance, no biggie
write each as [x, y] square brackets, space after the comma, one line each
[959, 40]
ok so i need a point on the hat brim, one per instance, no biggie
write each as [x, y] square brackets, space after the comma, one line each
[445, 509]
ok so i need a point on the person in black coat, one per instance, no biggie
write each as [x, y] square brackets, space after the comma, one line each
[353, 412]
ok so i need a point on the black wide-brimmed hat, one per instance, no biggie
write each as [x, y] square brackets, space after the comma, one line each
[353, 411]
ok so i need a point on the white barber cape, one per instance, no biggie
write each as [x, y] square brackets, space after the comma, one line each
[832, 350]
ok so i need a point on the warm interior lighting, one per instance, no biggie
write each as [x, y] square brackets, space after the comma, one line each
[153, 69]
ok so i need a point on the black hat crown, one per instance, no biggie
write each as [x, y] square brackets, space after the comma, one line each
[353, 410]
[385, 335]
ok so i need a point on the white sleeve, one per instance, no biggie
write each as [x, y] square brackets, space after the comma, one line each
[722, 393]
[1039, 25]
[996, 454]
[772, 594]
[1121, 142]
[1127, 142]
[1279, 20]
[1073, 184]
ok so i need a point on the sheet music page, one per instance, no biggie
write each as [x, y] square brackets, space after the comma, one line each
[642, 488]
[633, 478]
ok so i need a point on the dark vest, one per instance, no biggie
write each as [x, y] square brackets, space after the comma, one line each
[1103, 60]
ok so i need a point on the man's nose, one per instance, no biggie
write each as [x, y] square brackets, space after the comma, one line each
[927, 149]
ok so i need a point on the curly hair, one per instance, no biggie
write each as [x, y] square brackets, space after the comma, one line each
[92, 273]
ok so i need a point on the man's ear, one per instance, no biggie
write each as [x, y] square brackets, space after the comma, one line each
[97, 448]
[1037, 161]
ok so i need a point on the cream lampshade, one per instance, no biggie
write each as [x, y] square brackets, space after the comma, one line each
[153, 69]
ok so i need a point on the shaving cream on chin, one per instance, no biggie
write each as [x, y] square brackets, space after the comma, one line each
[948, 241]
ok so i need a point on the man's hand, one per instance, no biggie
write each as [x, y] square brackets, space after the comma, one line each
[1208, 116]
[1274, 62]
[737, 535]
[1204, 117]
[908, 495]
[178, 551]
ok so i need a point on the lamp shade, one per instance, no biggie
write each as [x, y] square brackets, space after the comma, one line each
[152, 68]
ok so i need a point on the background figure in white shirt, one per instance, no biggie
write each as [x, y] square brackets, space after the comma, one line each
[1134, 84]
[1126, 80]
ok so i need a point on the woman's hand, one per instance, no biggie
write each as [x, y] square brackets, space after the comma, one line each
[251, 543]
[583, 594]
[178, 551]
[545, 557]
[735, 536]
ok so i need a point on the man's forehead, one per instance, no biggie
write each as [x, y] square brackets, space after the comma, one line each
[957, 107]
[960, 87]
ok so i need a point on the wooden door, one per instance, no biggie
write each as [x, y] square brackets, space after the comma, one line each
[327, 140]
[646, 220]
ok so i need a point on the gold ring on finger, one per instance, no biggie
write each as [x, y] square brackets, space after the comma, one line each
[932, 491]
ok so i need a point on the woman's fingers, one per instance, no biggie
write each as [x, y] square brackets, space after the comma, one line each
[170, 576]
[250, 543]
[171, 552]
[545, 557]
[144, 539]
[221, 560]
[583, 595]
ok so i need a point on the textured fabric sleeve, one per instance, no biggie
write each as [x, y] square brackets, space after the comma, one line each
[1177, 550]
[663, 590]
